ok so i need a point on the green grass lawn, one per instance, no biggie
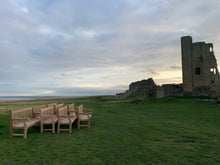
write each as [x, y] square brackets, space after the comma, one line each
[165, 131]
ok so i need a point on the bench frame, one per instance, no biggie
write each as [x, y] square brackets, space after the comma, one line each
[48, 117]
[69, 114]
[82, 116]
[23, 120]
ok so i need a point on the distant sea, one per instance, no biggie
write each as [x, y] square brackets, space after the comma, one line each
[25, 97]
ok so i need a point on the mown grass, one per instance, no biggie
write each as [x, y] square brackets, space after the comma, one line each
[166, 131]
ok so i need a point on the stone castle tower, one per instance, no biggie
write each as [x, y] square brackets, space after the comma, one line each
[199, 68]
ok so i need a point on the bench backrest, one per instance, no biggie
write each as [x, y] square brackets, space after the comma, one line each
[22, 113]
[60, 105]
[63, 111]
[57, 106]
[71, 108]
[37, 108]
[80, 109]
[52, 104]
[46, 111]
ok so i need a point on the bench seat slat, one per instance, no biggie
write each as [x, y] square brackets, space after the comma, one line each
[29, 123]
[50, 120]
[85, 117]
[66, 120]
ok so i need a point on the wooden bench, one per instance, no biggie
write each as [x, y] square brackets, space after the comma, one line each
[22, 119]
[66, 116]
[82, 116]
[25, 118]
[48, 117]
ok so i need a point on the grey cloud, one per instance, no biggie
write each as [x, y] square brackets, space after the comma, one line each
[175, 67]
[79, 78]
[58, 37]
[84, 91]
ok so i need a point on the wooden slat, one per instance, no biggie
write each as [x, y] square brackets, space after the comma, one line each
[18, 134]
[64, 129]
[22, 110]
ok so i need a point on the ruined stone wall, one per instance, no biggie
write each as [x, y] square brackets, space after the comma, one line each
[199, 68]
[186, 49]
[148, 89]
[143, 83]
[169, 90]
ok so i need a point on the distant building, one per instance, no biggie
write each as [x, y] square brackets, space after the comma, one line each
[199, 68]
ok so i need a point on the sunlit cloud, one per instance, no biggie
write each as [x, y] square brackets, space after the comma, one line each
[47, 92]
[168, 77]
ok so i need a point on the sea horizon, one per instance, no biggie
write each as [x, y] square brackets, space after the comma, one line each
[14, 98]
[28, 97]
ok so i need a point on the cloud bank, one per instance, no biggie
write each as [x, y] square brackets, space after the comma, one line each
[71, 48]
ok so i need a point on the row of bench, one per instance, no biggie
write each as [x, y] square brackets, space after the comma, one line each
[48, 114]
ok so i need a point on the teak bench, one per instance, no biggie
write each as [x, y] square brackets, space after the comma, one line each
[82, 116]
[66, 116]
[48, 116]
[24, 118]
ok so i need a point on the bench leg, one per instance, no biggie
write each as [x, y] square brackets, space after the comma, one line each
[41, 127]
[25, 132]
[58, 127]
[70, 127]
[78, 123]
[11, 132]
[88, 123]
[53, 127]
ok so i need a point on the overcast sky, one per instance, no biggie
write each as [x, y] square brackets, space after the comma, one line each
[93, 47]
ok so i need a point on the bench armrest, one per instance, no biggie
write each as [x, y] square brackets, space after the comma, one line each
[63, 116]
[22, 119]
[49, 116]
[73, 111]
[89, 113]
[83, 113]
[90, 110]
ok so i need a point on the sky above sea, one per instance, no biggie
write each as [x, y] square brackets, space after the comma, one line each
[97, 47]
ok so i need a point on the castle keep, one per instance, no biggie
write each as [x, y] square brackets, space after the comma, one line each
[199, 68]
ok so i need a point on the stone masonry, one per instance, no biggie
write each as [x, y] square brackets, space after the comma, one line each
[199, 68]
